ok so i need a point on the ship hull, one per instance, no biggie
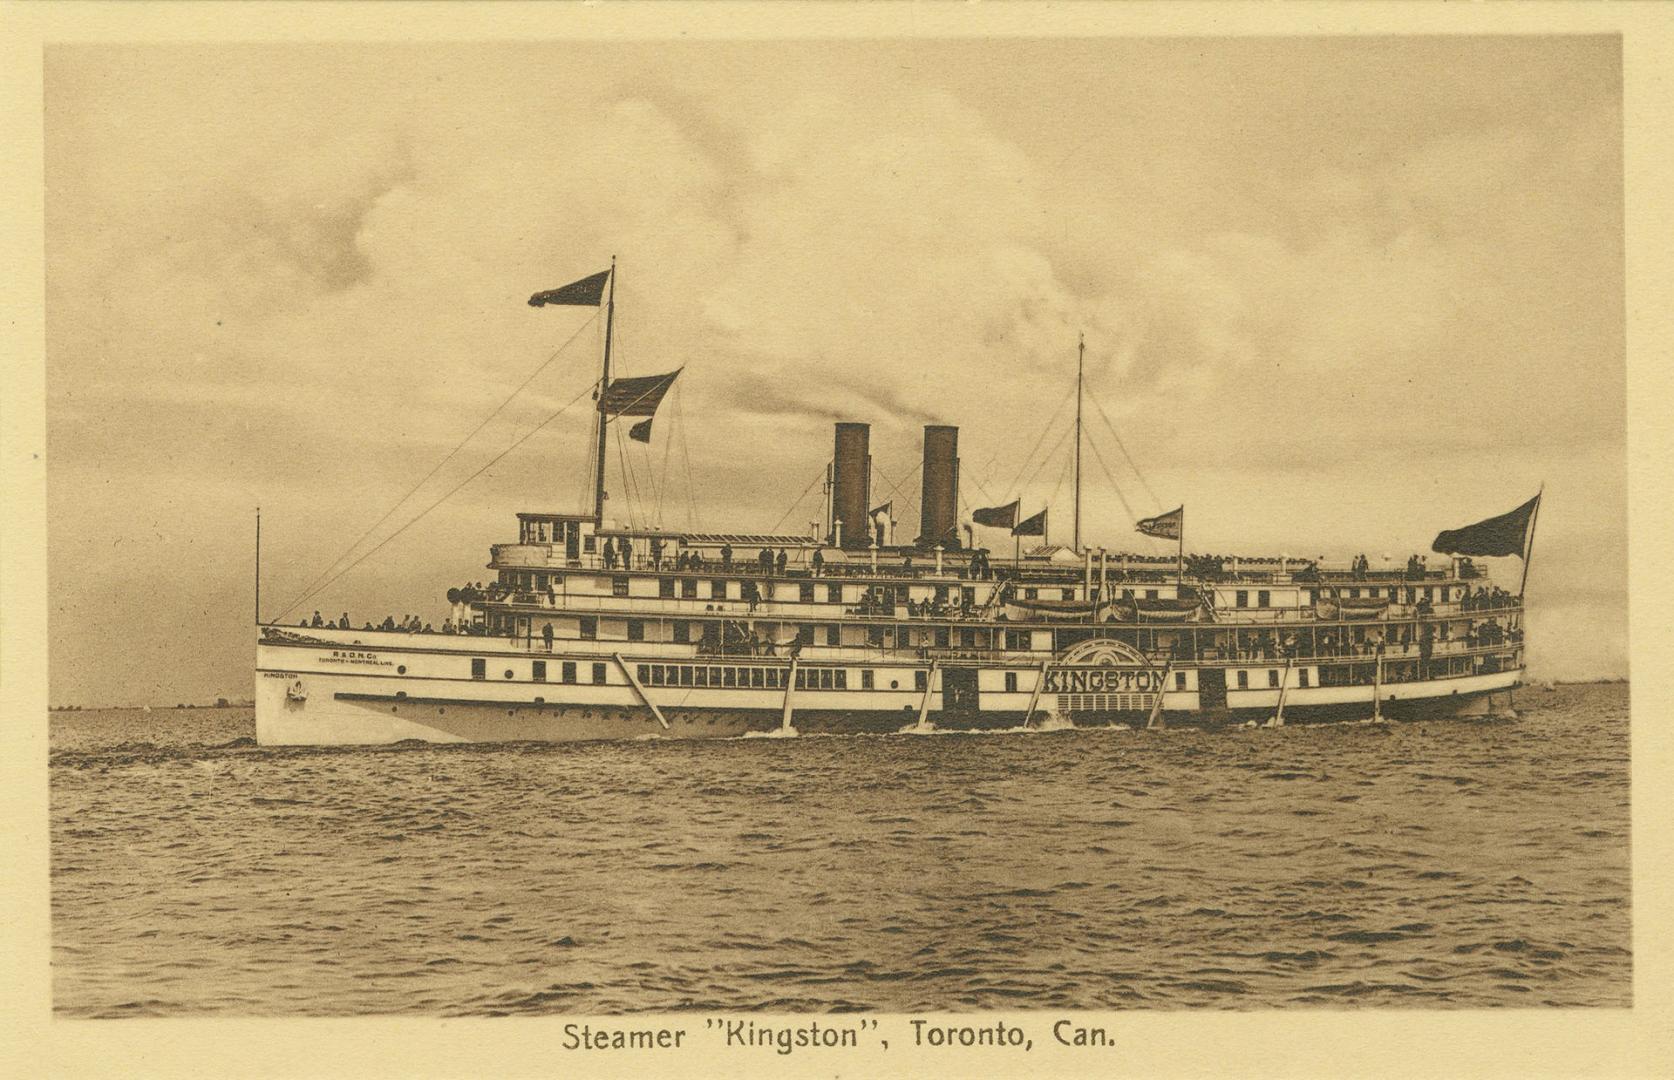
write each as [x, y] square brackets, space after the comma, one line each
[300, 701]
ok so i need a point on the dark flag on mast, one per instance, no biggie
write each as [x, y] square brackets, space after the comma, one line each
[640, 432]
[1166, 526]
[1507, 534]
[1035, 526]
[588, 292]
[638, 396]
[996, 517]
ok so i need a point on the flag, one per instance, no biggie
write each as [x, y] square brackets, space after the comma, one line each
[584, 293]
[1504, 535]
[1035, 526]
[638, 396]
[641, 432]
[1166, 525]
[996, 517]
[884, 510]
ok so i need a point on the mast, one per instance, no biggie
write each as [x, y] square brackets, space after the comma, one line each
[1080, 358]
[604, 384]
[258, 566]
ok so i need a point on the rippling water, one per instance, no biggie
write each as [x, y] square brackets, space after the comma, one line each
[1453, 863]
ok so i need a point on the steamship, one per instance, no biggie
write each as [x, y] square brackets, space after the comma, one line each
[592, 629]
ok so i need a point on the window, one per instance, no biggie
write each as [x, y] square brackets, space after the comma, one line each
[685, 676]
[688, 588]
[806, 592]
[866, 679]
[1313, 597]
[1069, 594]
[718, 589]
[729, 676]
[1179, 680]
[826, 679]
[1302, 678]
[1264, 598]
[1150, 594]
[875, 636]
[805, 634]
[842, 679]
[1243, 598]
[1429, 592]
[832, 634]
[1272, 678]
[479, 668]
[665, 588]
[538, 670]
[683, 633]
[801, 678]
[598, 674]
[619, 586]
[588, 628]
[834, 594]
[645, 674]
[589, 543]
[1394, 594]
[757, 677]
[1030, 594]
[941, 637]
[1011, 682]
[1243, 680]
[967, 638]
[1017, 640]
[920, 680]
[566, 673]
[636, 629]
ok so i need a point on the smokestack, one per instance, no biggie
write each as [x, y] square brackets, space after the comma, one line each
[851, 471]
[939, 506]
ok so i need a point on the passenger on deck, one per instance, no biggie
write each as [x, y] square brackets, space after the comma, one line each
[726, 556]
[609, 554]
[782, 561]
[318, 621]
[819, 562]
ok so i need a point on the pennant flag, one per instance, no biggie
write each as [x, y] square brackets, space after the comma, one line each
[584, 293]
[640, 432]
[884, 509]
[1166, 525]
[996, 517]
[638, 396]
[1035, 526]
[1503, 535]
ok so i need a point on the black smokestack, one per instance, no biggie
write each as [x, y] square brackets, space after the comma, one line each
[940, 502]
[851, 473]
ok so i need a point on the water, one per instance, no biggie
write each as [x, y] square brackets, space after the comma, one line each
[1450, 864]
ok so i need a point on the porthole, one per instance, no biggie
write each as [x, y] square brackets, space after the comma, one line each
[401, 693]
[893, 685]
[402, 670]
[508, 673]
[540, 701]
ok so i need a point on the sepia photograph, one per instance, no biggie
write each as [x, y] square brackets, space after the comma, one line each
[787, 528]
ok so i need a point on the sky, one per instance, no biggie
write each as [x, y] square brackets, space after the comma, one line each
[1337, 294]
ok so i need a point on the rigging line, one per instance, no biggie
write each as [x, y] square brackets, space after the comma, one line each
[415, 520]
[1124, 449]
[1046, 460]
[438, 466]
[1044, 431]
[819, 475]
[686, 458]
[1059, 486]
[1098, 455]
[894, 488]
[625, 471]
[668, 443]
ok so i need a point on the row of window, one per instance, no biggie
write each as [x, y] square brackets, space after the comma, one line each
[1244, 679]
[566, 671]
[769, 678]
